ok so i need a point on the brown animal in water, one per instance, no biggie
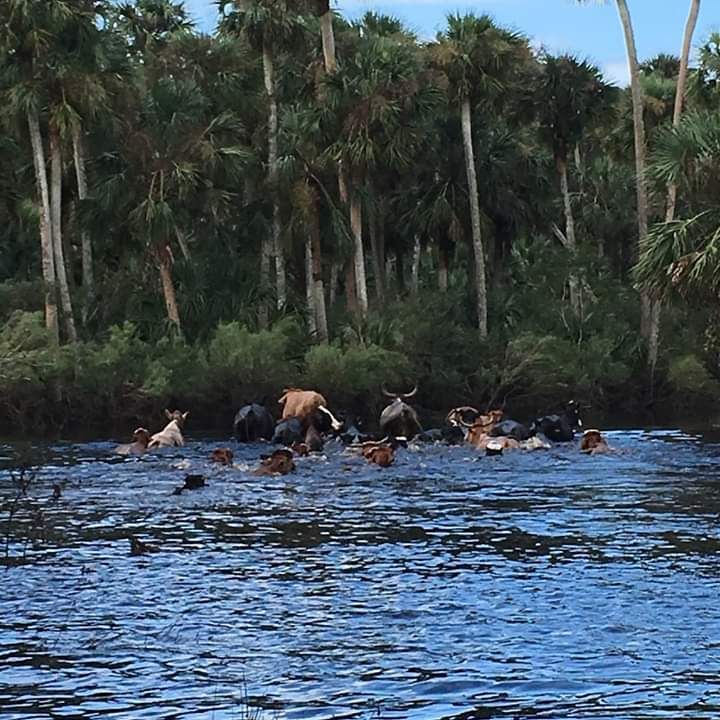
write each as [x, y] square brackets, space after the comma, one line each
[379, 452]
[141, 438]
[223, 456]
[171, 434]
[302, 404]
[300, 449]
[280, 462]
[382, 455]
[478, 432]
[593, 443]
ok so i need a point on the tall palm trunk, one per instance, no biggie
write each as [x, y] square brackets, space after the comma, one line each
[650, 309]
[328, 36]
[415, 273]
[480, 280]
[46, 244]
[330, 62]
[377, 258]
[690, 26]
[334, 281]
[56, 222]
[88, 279]
[317, 278]
[269, 76]
[571, 245]
[672, 190]
[310, 286]
[358, 251]
[442, 269]
[168, 286]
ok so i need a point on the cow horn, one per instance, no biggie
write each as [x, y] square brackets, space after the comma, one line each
[411, 394]
[387, 394]
[456, 413]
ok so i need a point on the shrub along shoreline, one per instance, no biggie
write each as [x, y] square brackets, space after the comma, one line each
[123, 380]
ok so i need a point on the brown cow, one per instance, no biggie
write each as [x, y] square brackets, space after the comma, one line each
[303, 404]
[141, 438]
[382, 455]
[280, 462]
[593, 443]
[223, 456]
[379, 452]
[171, 434]
[478, 434]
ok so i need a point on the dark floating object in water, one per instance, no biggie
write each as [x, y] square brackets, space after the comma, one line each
[57, 492]
[138, 547]
[192, 482]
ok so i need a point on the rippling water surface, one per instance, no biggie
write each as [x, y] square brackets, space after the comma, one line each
[542, 585]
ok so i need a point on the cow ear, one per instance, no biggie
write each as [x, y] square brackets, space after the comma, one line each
[185, 414]
[168, 414]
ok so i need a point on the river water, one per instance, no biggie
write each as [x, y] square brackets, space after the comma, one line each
[539, 585]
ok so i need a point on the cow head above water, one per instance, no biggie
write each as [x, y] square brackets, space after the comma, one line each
[458, 416]
[141, 435]
[572, 414]
[177, 416]
[398, 419]
[593, 442]
[478, 432]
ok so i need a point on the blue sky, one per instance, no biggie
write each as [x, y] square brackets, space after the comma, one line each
[592, 30]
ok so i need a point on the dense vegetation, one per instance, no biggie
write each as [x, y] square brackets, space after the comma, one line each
[200, 220]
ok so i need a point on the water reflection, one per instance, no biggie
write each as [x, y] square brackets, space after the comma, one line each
[548, 585]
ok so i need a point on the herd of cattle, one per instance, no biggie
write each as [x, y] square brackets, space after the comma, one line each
[306, 420]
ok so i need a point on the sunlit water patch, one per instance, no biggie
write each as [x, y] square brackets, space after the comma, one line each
[543, 585]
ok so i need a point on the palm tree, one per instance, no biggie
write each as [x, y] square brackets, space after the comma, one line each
[173, 145]
[650, 308]
[690, 26]
[94, 69]
[377, 102]
[705, 86]
[478, 58]
[270, 26]
[300, 132]
[35, 44]
[571, 98]
[328, 35]
[683, 254]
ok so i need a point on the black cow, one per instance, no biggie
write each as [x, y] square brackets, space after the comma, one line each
[512, 429]
[398, 419]
[559, 428]
[289, 431]
[252, 423]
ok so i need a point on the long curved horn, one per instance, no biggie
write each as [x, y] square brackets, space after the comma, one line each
[387, 394]
[457, 412]
[411, 394]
